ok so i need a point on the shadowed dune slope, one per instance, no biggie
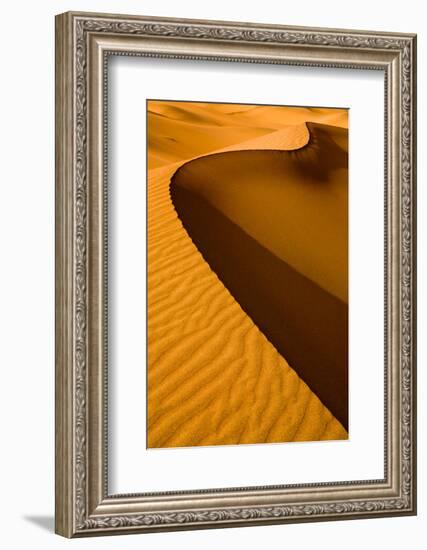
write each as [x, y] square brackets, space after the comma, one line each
[292, 202]
[306, 324]
[213, 376]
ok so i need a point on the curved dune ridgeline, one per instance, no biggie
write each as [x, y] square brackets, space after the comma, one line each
[232, 299]
[179, 131]
[272, 225]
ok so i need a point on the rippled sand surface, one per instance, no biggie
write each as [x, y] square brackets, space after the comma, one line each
[213, 377]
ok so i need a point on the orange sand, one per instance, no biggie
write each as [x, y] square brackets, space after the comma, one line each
[213, 377]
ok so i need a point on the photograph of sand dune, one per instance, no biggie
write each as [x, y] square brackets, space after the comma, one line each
[247, 274]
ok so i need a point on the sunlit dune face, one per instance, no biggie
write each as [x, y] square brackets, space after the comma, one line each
[247, 274]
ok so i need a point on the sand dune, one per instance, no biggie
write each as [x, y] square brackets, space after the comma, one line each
[213, 376]
[180, 130]
[248, 220]
[302, 217]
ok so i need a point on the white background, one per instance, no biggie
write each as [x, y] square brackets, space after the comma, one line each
[27, 275]
[133, 468]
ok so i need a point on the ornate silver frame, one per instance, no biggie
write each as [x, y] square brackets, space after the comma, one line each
[83, 42]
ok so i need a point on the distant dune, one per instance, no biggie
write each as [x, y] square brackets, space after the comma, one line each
[180, 131]
[213, 375]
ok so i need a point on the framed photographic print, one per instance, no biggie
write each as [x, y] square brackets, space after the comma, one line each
[235, 274]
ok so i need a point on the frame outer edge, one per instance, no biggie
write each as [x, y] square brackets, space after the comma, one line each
[64, 237]
[73, 397]
[413, 252]
[415, 266]
[154, 19]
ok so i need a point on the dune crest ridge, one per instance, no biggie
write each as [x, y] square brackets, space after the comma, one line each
[306, 224]
[213, 377]
[241, 209]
